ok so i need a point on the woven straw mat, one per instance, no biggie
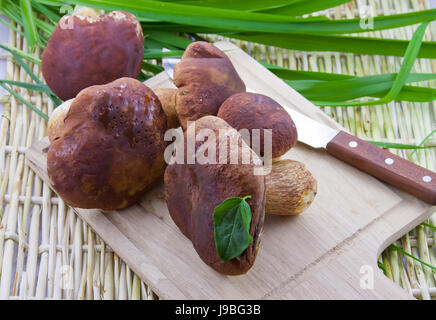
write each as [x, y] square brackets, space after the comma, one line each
[47, 252]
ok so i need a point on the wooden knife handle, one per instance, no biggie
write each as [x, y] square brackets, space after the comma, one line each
[384, 165]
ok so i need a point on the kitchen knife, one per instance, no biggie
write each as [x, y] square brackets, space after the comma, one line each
[363, 155]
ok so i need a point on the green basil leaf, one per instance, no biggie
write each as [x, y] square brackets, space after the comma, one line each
[231, 223]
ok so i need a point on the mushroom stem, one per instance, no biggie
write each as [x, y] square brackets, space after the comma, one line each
[167, 97]
[290, 188]
[56, 121]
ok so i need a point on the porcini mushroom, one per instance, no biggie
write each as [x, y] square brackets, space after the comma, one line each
[256, 111]
[111, 148]
[205, 77]
[290, 188]
[89, 49]
[192, 191]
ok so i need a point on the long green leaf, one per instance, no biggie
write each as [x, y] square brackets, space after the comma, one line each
[51, 15]
[170, 39]
[303, 7]
[352, 88]
[56, 3]
[394, 247]
[400, 80]
[158, 54]
[408, 93]
[27, 103]
[7, 9]
[155, 69]
[242, 5]
[422, 143]
[429, 226]
[408, 61]
[34, 77]
[327, 83]
[413, 94]
[10, 26]
[357, 45]
[248, 21]
[392, 145]
[29, 86]
[20, 53]
[13, 11]
[289, 74]
[29, 24]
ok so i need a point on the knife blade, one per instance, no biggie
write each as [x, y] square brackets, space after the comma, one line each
[363, 155]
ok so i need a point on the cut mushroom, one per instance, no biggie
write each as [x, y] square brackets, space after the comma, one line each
[290, 188]
[89, 49]
[192, 192]
[111, 149]
[205, 77]
[256, 111]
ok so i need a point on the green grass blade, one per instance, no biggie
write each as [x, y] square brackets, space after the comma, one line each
[429, 226]
[407, 64]
[34, 77]
[20, 53]
[422, 143]
[288, 74]
[39, 86]
[413, 94]
[27, 103]
[150, 67]
[393, 145]
[356, 45]
[408, 93]
[382, 267]
[23, 65]
[29, 24]
[169, 39]
[13, 11]
[29, 86]
[356, 87]
[241, 5]
[51, 15]
[394, 247]
[10, 26]
[233, 20]
[55, 3]
[408, 61]
[158, 53]
[304, 7]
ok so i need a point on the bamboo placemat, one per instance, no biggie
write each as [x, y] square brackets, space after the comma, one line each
[47, 252]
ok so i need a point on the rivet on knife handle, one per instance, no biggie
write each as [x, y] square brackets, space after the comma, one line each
[384, 165]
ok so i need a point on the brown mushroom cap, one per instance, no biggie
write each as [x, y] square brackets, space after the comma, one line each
[96, 50]
[112, 146]
[205, 77]
[255, 111]
[192, 192]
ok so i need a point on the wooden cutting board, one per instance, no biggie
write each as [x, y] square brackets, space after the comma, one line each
[327, 252]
